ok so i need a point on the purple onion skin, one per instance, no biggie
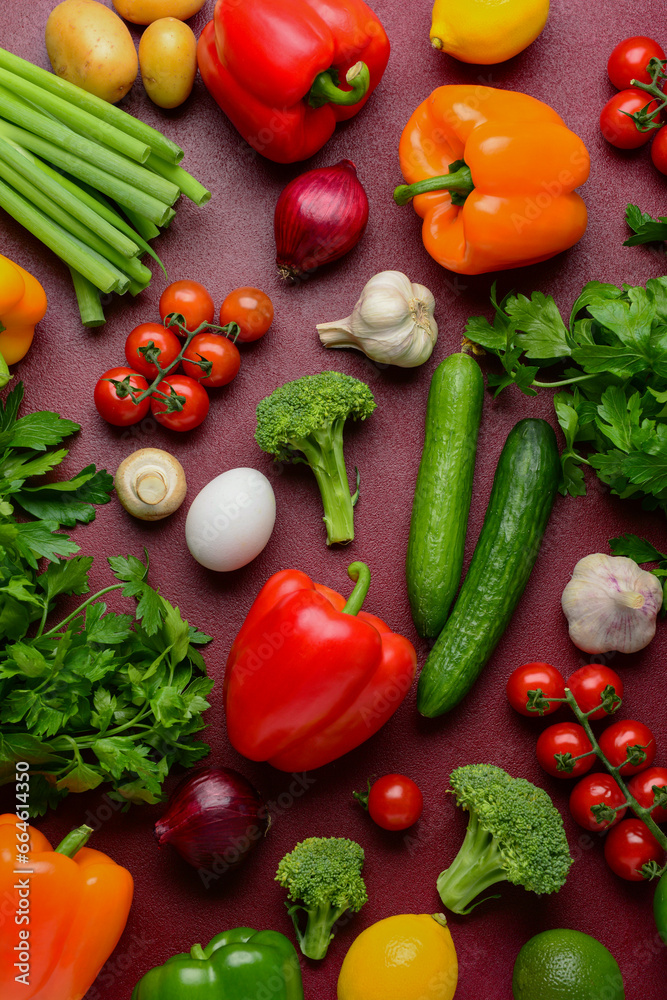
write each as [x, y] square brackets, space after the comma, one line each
[320, 215]
[214, 819]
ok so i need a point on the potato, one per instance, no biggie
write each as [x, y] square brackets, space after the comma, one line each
[168, 61]
[147, 11]
[90, 46]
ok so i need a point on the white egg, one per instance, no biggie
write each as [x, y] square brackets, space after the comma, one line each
[230, 521]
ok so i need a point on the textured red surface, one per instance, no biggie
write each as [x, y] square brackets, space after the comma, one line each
[229, 243]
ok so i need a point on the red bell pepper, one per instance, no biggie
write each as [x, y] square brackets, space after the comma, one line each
[310, 677]
[285, 73]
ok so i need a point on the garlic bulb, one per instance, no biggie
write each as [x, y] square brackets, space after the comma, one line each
[611, 604]
[392, 322]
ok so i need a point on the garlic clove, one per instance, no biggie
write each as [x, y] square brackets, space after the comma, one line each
[611, 604]
[392, 323]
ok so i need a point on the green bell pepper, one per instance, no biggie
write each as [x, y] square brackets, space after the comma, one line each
[236, 965]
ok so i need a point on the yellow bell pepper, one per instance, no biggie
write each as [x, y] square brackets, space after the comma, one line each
[22, 305]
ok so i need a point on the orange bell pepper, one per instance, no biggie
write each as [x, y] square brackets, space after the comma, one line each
[22, 305]
[492, 174]
[64, 912]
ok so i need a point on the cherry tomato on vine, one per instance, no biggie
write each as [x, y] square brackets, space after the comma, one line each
[629, 60]
[165, 341]
[617, 128]
[120, 412]
[394, 802]
[194, 409]
[616, 739]
[641, 786]
[593, 790]
[189, 299]
[659, 150]
[587, 684]
[564, 737]
[628, 847]
[529, 677]
[220, 351]
[252, 309]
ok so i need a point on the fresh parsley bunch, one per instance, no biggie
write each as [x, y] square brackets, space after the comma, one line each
[97, 697]
[613, 355]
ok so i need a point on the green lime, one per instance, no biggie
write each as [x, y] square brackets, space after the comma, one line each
[566, 965]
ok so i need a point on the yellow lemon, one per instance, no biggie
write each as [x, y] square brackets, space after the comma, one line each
[486, 31]
[408, 957]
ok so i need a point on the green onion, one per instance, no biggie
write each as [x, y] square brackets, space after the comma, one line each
[142, 225]
[130, 266]
[88, 300]
[117, 189]
[72, 251]
[80, 121]
[73, 205]
[186, 183]
[160, 145]
[19, 111]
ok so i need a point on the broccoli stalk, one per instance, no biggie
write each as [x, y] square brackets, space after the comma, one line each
[515, 834]
[303, 421]
[322, 876]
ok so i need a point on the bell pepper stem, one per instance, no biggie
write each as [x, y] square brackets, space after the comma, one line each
[325, 89]
[459, 182]
[360, 573]
[74, 841]
[198, 953]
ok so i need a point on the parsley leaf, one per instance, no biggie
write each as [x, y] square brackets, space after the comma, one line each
[645, 228]
[101, 696]
[635, 548]
[615, 416]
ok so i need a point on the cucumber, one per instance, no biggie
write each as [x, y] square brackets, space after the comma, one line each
[523, 492]
[444, 488]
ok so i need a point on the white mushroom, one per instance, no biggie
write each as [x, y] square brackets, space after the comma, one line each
[150, 484]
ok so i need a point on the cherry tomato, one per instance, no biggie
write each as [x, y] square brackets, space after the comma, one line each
[641, 786]
[194, 409]
[629, 60]
[659, 150]
[165, 341]
[629, 846]
[120, 412]
[617, 128]
[625, 733]
[529, 677]
[564, 737]
[252, 309]
[395, 802]
[596, 789]
[587, 684]
[190, 300]
[220, 351]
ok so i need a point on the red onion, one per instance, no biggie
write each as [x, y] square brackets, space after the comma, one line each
[319, 217]
[214, 819]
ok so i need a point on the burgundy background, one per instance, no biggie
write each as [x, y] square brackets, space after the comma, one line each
[229, 243]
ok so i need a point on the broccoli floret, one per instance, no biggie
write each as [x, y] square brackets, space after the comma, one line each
[515, 834]
[322, 876]
[303, 421]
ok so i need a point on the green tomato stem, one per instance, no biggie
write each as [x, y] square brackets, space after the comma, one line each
[640, 811]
